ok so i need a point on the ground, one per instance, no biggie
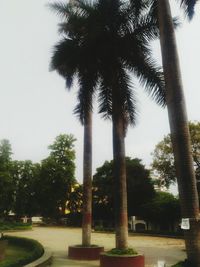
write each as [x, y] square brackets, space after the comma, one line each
[58, 239]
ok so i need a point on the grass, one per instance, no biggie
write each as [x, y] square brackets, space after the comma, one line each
[21, 251]
[14, 252]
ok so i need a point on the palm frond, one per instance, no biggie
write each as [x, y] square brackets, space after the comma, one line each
[65, 59]
[120, 92]
[105, 100]
[61, 9]
[87, 85]
[188, 6]
[146, 28]
[126, 97]
[152, 78]
[139, 7]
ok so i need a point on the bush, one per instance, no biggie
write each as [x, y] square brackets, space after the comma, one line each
[35, 249]
[126, 251]
[4, 226]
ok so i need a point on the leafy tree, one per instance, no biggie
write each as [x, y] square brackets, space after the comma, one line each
[103, 192]
[163, 157]
[163, 210]
[6, 193]
[25, 176]
[5, 153]
[139, 189]
[6, 181]
[179, 124]
[57, 176]
[75, 203]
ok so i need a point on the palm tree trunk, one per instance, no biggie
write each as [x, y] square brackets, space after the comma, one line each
[121, 220]
[179, 132]
[87, 182]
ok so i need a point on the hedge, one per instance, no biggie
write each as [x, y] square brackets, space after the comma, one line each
[4, 226]
[36, 250]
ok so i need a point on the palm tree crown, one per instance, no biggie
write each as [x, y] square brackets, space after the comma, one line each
[107, 40]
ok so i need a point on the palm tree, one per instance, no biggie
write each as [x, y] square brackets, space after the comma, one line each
[118, 49]
[112, 38]
[179, 125]
[127, 52]
[71, 58]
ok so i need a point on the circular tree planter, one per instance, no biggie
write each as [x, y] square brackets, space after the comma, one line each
[84, 253]
[3, 245]
[108, 260]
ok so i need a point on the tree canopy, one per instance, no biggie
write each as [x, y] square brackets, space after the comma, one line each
[163, 210]
[139, 188]
[28, 188]
[163, 159]
[6, 180]
[57, 176]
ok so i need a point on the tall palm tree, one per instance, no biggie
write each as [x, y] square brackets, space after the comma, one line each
[114, 40]
[179, 125]
[71, 58]
[119, 49]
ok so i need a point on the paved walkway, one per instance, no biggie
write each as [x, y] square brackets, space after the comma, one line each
[58, 239]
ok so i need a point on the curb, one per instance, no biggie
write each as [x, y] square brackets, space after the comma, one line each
[43, 261]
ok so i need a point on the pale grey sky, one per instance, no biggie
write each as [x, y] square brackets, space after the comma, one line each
[35, 106]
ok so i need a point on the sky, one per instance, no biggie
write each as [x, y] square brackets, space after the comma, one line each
[35, 106]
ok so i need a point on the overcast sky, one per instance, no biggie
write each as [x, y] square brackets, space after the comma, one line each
[35, 107]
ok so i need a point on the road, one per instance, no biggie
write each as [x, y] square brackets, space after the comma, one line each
[58, 239]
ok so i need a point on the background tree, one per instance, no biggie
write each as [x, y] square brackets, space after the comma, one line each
[75, 201]
[6, 180]
[163, 157]
[139, 188]
[25, 175]
[163, 211]
[57, 176]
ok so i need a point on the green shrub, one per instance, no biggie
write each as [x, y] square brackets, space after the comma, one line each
[34, 248]
[4, 226]
[126, 251]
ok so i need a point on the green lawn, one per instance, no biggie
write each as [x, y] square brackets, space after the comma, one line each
[21, 251]
[14, 252]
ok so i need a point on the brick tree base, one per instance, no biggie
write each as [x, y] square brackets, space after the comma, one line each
[3, 245]
[121, 261]
[84, 253]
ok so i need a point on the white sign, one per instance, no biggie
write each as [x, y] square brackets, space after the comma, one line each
[185, 224]
[161, 264]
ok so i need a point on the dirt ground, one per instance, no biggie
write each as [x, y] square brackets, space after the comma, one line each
[57, 240]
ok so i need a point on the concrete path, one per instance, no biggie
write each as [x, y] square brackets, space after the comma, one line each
[58, 239]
